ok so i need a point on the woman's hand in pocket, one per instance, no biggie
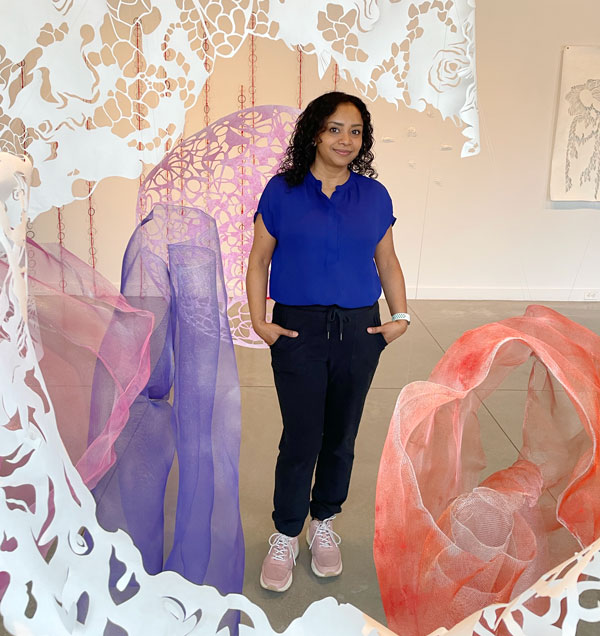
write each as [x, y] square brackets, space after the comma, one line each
[390, 330]
[270, 332]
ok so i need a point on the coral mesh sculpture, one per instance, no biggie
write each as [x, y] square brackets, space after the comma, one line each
[568, 594]
[447, 545]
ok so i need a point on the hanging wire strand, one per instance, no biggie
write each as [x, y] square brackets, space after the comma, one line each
[60, 226]
[91, 227]
[252, 59]
[24, 142]
[206, 90]
[137, 106]
[299, 49]
[241, 150]
[91, 213]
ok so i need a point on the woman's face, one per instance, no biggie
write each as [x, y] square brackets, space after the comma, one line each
[339, 143]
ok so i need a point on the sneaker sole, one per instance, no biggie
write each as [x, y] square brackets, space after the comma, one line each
[266, 586]
[324, 575]
[317, 572]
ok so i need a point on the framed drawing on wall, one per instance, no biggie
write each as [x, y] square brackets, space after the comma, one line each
[575, 174]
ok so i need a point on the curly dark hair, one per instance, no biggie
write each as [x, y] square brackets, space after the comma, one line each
[301, 152]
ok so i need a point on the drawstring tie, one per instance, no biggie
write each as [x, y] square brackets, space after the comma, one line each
[333, 314]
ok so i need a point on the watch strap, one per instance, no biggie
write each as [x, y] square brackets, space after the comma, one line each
[401, 316]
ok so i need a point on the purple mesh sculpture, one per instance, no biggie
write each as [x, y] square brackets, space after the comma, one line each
[172, 268]
[223, 169]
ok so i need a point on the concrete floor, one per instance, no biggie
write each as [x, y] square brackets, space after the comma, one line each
[435, 326]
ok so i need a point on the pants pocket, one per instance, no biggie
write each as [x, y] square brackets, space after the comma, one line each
[279, 319]
[279, 341]
[377, 322]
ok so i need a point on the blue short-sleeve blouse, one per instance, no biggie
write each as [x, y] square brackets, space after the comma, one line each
[325, 246]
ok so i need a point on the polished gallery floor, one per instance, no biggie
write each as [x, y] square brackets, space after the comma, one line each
[435, 326]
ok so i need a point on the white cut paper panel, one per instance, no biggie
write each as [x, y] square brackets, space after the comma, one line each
[91, 90]
[54, 557]
[576, 158]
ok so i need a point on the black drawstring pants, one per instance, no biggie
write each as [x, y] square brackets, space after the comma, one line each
[322, 378]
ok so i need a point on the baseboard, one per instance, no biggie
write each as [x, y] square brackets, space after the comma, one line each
[496, 293]
[503, 293]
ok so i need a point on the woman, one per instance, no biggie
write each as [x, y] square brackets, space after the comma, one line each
[324, 225]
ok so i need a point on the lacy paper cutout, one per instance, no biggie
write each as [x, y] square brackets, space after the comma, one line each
[222, 169]
[90, 94]
[576, 157]
[447, 545]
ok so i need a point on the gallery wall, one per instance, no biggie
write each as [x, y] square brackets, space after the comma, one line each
[475, 228]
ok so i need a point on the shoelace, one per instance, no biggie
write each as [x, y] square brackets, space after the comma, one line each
[327, 537]
[281, 546]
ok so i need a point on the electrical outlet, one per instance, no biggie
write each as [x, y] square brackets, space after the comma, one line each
[591, 295]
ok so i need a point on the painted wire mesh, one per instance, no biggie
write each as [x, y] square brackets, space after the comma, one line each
[192, 356]
[447, 545]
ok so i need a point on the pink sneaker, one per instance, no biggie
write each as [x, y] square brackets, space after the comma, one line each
[276, 572]
[323, 543]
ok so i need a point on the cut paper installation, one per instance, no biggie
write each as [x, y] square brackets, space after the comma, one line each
[222, 169]
[92, 94]
[576, 158]
[179, 280]
[447, 545]
[60, 572]
[569, 593]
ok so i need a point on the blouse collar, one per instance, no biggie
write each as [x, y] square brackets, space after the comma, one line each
[318, 185]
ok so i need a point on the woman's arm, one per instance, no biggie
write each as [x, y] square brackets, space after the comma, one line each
[394, 289]
[256, 284]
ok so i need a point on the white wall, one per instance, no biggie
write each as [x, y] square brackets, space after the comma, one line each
[488, 230]
[467, 228]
